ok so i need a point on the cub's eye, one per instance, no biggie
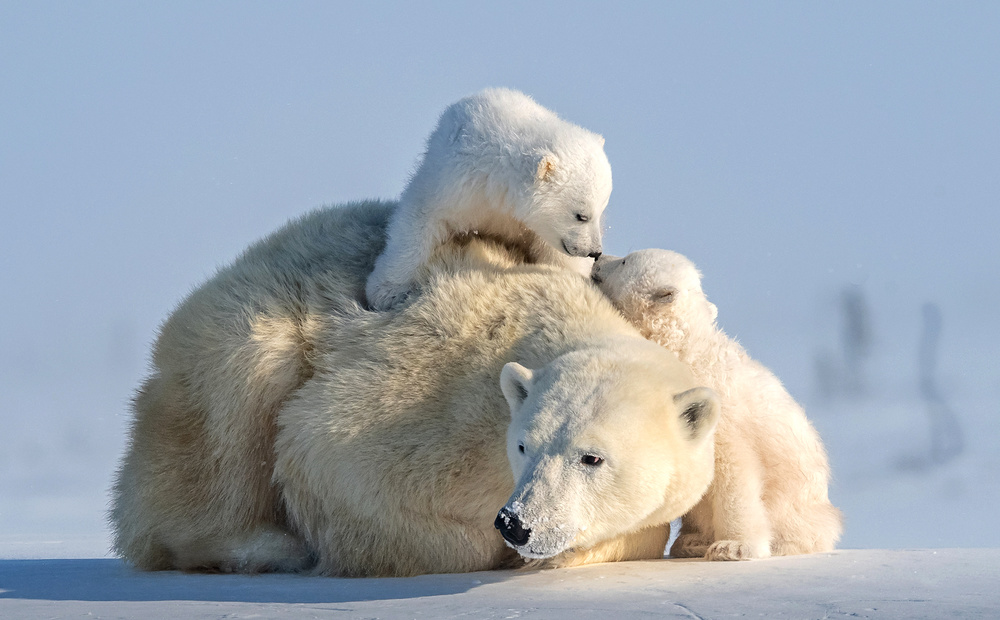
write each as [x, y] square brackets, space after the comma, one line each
[520, 448]
[592, 460]
[582, 218]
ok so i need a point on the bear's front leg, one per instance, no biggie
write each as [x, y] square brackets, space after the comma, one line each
[390, 283]
[407, 249]
[646, 544]
[740, 522]
[387, 295]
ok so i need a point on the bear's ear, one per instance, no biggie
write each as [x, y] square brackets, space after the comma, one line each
[515, 381]
[602, 141]
[664, 295]
[699, 412]
[546, 166]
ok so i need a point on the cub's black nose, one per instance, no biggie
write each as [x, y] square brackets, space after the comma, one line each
[595, 255]
[511, 529]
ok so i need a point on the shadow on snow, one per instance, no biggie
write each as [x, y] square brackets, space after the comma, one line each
[112, 580]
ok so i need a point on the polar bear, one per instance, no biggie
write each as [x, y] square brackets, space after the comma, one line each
[285, 427]
[393, 459]
[225, 361]
[769, 495]
[501, 165]
[585, 433]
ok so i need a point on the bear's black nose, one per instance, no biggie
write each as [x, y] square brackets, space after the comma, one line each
[510, 528]
[595, 255]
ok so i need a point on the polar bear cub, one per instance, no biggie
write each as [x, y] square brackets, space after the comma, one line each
[769, 494]
[500, 165]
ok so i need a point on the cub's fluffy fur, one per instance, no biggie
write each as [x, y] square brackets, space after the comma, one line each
[503, 166]
[769, 495]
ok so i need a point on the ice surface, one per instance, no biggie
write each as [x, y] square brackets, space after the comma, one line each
[941, 583]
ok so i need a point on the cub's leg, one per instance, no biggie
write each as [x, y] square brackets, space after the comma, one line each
[739, 518]
[409, 247]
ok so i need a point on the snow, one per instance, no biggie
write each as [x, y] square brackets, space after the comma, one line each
[944, 583]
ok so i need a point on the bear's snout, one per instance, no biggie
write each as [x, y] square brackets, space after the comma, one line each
[582, 248]
[511, 529]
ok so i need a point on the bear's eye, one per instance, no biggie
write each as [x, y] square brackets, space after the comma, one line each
[582, 218]
[591, 459]
[665, 295]
[520, 448]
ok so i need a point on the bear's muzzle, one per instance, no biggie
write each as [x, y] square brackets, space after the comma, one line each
[511, 529]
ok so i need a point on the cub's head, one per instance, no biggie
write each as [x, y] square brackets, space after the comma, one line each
[650, 284]
[569, 192]
[603, 442]
[550, 174]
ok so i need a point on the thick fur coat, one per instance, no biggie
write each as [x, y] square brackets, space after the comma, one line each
[769, 495]
[286, 427]
[501, 165]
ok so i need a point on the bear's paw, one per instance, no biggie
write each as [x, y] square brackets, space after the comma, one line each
[689, 546]
[731, 550]
[387, 296]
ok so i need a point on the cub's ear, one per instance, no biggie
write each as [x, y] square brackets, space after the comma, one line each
[602, 140]
[664, 295]
[698, 409]
[516, 381]
[546, 166]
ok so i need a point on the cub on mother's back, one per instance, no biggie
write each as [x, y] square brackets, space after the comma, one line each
[501, 165]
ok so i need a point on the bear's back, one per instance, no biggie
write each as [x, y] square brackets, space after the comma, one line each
[408, 403]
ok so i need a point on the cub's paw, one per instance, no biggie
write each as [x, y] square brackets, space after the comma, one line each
[387, 296]
[689, 546]
[730, 550]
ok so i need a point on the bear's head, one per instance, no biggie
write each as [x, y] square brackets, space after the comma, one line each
[549, 174]
[569, 192]
[603, 442]
[656, 289]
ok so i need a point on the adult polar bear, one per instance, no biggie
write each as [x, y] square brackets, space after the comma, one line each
[284, 425]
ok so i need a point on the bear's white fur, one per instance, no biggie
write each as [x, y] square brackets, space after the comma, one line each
[501, 165]
[600, 442]
[769, 495]
[285, 427]
[194, 488]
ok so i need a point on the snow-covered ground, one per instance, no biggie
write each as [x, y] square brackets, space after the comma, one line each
[933, 584]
